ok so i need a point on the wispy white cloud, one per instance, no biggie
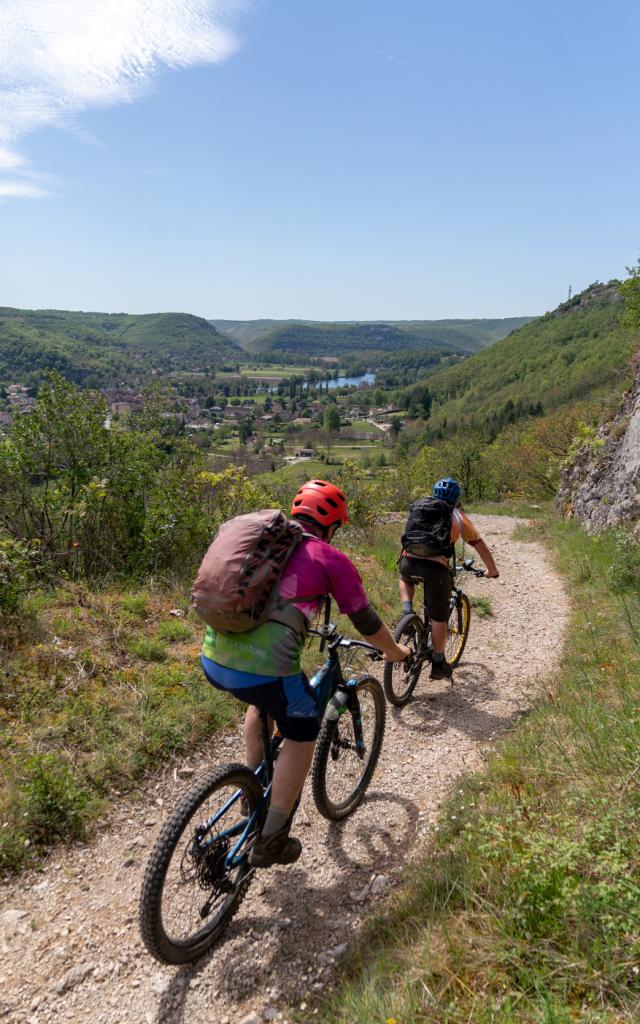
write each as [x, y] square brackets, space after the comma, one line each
[392, 58]
[20, 190]
[60, 57]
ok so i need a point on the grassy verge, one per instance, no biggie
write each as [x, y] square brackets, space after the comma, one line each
[98, 688]
[525, 906]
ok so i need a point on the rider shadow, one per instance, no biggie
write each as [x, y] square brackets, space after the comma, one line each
[457, 707]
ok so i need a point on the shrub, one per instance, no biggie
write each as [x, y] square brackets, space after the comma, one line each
[173, 632]
[54, 802]
[16, 572]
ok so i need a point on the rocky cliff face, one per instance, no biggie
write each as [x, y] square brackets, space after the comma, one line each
[602, 487]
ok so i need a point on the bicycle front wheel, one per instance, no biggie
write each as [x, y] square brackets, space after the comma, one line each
[458, 630]
[347, 751]
[401, 677]
[189, 893]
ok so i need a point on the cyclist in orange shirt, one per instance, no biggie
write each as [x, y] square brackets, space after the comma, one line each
[433, 569]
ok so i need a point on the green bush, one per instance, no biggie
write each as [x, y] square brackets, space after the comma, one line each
[147, 649]
[16, 573]
[173, 632]
[98, 502]
[54, 802]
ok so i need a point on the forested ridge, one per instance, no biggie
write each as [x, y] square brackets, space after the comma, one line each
[578, 353]
[95, 349]
[318, 338]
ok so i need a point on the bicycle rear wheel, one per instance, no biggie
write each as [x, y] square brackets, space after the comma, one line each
[458, 630]
[400, 678]
[189, 894]
[347, 751]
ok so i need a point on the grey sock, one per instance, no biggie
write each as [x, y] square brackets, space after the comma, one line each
[438, 656]
[407, 607]
[276, 819]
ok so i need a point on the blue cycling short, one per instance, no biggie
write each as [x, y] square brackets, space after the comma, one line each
[289, 700]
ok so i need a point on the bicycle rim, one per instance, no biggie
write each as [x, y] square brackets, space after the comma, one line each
[458, 630]
[189, 894]
[340, 774]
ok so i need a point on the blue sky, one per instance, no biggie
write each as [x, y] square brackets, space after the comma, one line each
[342, 159]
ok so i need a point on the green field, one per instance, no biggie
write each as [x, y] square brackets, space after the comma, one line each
[274, 373]
[364, 427]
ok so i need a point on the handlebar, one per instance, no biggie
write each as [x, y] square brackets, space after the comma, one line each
[328, 633]
[467, 566]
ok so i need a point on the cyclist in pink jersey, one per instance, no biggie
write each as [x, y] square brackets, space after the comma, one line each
[262, 667]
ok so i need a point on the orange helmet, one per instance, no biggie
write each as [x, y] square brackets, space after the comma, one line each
[321, 501]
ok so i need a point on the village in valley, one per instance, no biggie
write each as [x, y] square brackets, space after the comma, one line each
[262, 421]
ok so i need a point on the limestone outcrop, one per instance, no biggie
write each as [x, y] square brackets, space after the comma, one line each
[602, 486]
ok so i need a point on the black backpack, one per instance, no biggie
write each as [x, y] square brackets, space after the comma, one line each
[428, 529]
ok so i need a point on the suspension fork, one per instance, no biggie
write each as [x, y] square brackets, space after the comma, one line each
[356, 715]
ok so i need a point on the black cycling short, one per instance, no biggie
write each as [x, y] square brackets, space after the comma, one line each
[437, 584]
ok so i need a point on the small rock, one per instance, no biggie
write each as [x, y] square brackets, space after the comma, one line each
[159, 983]
[185, 771]
[270, 1013]
[252, 1018]
[379, 884]
[73, 977]
[13, 917]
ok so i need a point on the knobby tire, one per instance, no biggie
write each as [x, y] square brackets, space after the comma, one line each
[181, 825]
[458, 630]
[335, 752]
[400, 679]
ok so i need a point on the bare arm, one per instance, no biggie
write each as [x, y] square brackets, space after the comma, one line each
[383, 640]
[487, 558]
[372, 628]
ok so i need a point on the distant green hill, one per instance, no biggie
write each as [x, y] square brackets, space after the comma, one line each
[310, 337]
[577, 352]
[97, 348]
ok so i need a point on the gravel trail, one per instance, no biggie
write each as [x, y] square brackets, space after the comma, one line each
[69, 944]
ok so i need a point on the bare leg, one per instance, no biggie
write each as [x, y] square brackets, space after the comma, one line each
[291, 768]
[253, 736]
[407, 590]
[439, 636]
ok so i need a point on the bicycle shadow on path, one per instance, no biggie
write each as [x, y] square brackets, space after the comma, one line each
[294, 915]
[460, 708]
[325, 903]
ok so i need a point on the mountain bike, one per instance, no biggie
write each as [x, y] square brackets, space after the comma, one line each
[198, 871]
[414, 631]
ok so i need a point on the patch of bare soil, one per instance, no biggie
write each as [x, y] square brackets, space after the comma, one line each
[68, 935]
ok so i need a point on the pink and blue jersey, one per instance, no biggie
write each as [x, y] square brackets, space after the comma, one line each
[315, 568]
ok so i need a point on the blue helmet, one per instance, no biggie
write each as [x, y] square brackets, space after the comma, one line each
[447, 490]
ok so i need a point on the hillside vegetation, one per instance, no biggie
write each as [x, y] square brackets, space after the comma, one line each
[580, 351]
[318, 338]
[97, 348]
[525, 906]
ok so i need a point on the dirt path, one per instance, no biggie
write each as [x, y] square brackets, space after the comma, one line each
[68, 936]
